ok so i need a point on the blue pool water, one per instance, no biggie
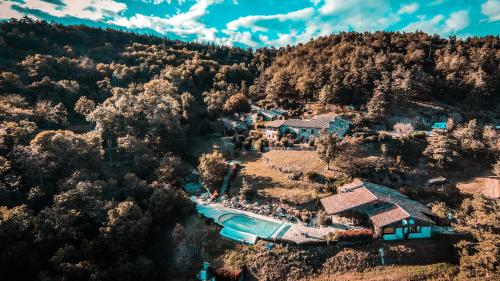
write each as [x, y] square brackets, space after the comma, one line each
[247, 224]
[238, 236]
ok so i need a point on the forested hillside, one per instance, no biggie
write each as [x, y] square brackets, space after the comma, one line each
[94, 125]
[386, 68]
[93, 129]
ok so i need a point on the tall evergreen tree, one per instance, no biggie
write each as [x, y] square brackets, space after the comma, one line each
[441, 150]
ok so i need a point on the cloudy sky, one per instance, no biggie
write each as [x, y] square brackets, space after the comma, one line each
[255, 23]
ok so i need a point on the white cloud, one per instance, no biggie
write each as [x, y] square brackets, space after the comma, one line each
[408, 9]
[182, 24]
[457, 21]
[7, 12]
[491, 8]
[157, 2]
[244, 37]
[312, 29]
[315, 2]
[429, 26]
[251, 21]
[359, 15]
[439, 24]
[92, 10]
[334, 6]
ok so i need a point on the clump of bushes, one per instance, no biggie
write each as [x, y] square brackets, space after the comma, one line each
[246, 191]
[322, 218]
[312, 143]
[341, 182]
[260, 144]
[313, 176]
[353, 235]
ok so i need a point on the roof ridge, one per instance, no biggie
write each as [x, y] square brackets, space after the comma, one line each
[403, 209]
[363, 186]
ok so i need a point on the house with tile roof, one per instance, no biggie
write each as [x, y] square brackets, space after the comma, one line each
[305, 129]
[272, 129]
[390, 213]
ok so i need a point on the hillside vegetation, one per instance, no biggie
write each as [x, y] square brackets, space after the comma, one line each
[94, 128]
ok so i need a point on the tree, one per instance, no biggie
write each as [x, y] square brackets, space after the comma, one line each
[441, 150]
[212, 169]
[404, 129]
[491, 140]
[470, 138]
[237, 104]
[327, 147]
[168, 169]
[60, 152]
[84, 106]
[440, 209]
[479, 255]
[378, 104]
[246, 191]
[496, 168]
[126, 227]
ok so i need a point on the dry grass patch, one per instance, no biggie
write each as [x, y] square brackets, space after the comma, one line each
[303, 161]
[488, 186]
[272, 183]
[439, 271]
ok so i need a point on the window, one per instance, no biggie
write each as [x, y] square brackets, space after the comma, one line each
[312, 131]
[389, 230]
[415, 229]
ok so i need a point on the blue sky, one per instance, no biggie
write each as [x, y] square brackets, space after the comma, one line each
[256, 23]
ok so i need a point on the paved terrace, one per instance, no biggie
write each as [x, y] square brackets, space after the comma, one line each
[297, 232]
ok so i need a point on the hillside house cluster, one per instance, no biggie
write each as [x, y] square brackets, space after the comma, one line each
[306, 129]
[258, 114]
[391, 214]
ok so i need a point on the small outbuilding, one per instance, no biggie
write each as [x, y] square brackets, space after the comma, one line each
[439, 126]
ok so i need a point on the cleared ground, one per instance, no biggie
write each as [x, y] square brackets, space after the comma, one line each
[439, 271]
[269, 182]
[488, 186]
[301, 160]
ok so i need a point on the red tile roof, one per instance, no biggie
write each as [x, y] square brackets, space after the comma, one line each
[348, 186]
[359, 192]
[275, 123]
[388, 215]
[347, 200]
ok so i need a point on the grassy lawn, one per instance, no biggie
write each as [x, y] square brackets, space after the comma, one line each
[438, 271]
[271, 183]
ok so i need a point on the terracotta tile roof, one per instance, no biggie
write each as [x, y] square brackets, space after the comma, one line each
[315, 124]
[388, 215]
[275, 123]
[359, 192]
[348, 186]
[347, 200]
[413, 208]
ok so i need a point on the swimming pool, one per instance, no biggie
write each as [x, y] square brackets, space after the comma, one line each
[248, 224]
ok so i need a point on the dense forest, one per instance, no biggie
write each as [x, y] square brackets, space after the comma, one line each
[94, 126]
[390, 68]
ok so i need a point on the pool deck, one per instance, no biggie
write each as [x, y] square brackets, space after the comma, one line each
[297, 232]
